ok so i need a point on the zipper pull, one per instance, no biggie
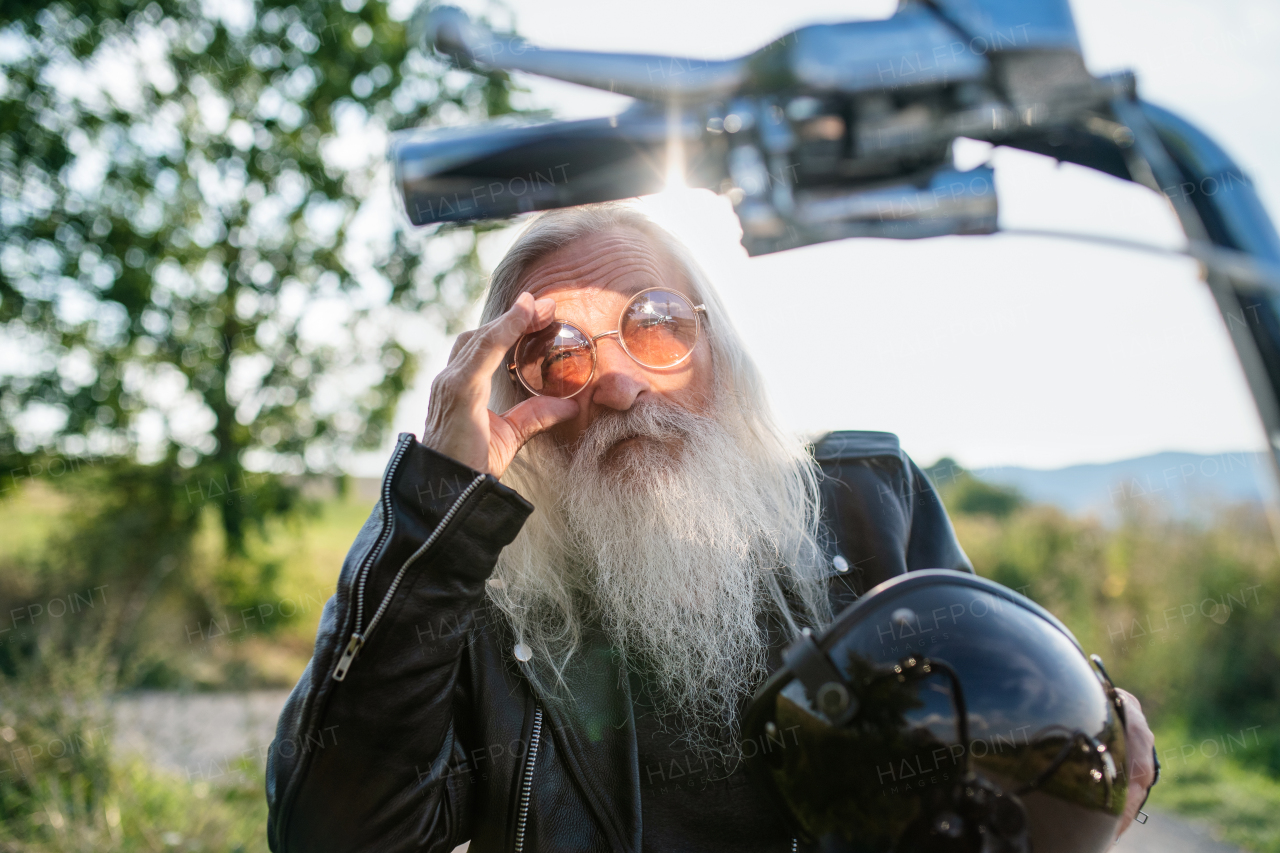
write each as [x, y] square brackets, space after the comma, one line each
[344, 662]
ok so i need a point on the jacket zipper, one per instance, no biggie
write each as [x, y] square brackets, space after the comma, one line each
[359, 637]
[357, 583]
[526, 778]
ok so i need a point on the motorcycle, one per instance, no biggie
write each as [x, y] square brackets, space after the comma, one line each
[847, 130]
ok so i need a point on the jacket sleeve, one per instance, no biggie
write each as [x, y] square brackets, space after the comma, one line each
[365, 747]
[881, 513]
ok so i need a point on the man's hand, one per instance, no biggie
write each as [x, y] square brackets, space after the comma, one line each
[459, 423]
[1141, 772]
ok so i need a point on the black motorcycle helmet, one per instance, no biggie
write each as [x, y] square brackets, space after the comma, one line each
[942, 713]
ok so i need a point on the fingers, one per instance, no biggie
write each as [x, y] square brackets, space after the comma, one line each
[1137, 727]
[1139, 742]
[1131, 701]
[537, 414]
[544, 313]
[459, 423]
[1139, 737]
[483, 350]
[459, 343]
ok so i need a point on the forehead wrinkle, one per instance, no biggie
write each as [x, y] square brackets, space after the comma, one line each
[606, 271]
[602, 266]
[612, 258]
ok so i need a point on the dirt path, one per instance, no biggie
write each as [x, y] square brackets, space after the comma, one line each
[202, 735]
[1170, 834]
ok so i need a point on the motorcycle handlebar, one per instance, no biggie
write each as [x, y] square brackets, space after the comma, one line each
[505, 167]
[452, 32]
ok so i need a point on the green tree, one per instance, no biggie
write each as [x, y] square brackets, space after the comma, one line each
[201, 280]
[962, 492]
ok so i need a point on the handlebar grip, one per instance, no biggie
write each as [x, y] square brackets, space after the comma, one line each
[504, 168]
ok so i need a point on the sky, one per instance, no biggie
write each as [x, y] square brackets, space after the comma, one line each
[996, 350]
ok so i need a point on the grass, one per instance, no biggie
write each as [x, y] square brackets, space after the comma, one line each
[137, 809]
[64, 789]
[256, 639]
[1241, 804]
[29, 517]
[275, 640]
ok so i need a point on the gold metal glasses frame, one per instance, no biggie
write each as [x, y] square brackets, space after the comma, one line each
[698, 310]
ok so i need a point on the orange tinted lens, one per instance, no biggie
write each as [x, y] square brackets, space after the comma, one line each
[555, 362]
[659, 328]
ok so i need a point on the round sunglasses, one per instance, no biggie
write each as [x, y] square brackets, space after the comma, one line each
[657, 328]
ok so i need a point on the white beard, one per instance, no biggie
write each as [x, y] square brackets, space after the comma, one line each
[675, 544]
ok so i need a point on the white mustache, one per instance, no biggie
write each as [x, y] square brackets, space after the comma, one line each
[664, 423]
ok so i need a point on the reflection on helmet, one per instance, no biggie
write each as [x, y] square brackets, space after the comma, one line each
[942, 712]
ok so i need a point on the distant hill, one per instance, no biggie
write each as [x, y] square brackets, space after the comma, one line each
[1183, 484]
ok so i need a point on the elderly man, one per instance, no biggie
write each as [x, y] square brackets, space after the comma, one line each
[559, 661]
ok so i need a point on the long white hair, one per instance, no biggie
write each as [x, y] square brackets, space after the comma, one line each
[535, 584]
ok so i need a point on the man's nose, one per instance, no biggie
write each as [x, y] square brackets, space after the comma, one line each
[619, 379]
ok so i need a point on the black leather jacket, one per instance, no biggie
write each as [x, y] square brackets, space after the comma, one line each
[422, 732]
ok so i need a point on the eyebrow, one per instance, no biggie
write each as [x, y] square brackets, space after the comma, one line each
[633, 289]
